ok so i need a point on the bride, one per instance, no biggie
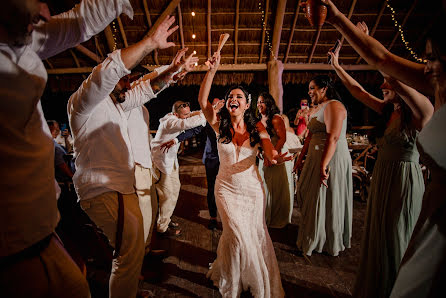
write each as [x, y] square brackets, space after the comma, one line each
[245, 253]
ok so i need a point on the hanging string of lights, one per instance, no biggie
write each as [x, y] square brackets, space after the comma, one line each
[268, 41]
[400, 29]
[114, 32]
[193, 34]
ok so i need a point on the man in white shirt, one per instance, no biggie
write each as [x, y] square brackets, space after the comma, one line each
[104, 175]
[168, 187]
[32, 261]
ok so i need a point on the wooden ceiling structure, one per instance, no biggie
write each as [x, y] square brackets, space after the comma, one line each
[259, 30]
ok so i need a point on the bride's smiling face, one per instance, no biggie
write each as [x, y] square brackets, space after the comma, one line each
[236, 103]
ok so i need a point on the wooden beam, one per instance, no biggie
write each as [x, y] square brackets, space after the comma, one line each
[265, 23]
[208, 16]
[76, 61]
[49, 63]
[349, 16]
[402, 24]
[237, 17]
[313, 47]
[375, 26]
[180, 23]
[278, 24]
[168, 11]
[109, 37]
[121, 29]
[296, 15]
[233, 67]
[88, 53]
[149, 24]
[242, 44]
[98, 48]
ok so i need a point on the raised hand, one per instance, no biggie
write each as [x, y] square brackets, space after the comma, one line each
[334, 57]
[177, 61]
[214, 62]
[167, 145]
[160, 35]
[332, 11]
[363, 27]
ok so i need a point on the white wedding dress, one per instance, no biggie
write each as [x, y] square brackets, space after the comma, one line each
[245, 255]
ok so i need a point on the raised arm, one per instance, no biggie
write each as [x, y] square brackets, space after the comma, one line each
[356, 90]
[209, 112]
[77, 25]
[376, 54]
[421, 107]
[176, 124]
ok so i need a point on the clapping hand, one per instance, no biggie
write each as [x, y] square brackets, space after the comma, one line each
[162, 32]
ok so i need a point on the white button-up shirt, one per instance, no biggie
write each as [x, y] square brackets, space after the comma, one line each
[102, 148]
[138, 125]
[28, 211]
[170, 127]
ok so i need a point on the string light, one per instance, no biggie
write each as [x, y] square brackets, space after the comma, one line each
[400, 29]
[193, 36]
[195, 52]
[114, 32]
[193, 13]
[268, 41]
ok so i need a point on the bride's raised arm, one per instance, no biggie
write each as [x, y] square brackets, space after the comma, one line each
[209, 112]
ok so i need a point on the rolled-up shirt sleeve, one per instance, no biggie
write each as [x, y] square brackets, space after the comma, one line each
[77, 25]
[97, 87]
[138, 95]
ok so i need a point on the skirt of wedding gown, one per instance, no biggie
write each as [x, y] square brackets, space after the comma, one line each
[245, 255]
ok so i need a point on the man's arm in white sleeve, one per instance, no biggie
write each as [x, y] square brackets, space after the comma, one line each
[176, 124]
[77, 25]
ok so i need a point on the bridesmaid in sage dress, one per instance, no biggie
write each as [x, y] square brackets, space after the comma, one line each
[325, 185]
[397, 186]
[275, 179]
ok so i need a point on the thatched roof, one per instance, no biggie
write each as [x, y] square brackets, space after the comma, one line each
[248, 48]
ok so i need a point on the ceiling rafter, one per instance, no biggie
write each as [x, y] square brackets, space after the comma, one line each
[88, 53]
[109, 37]
[180, 23]
[121, 29]
[208, 17]
[265, 23]
[296, 15]
[149, 23]
[349, 16]
[406, 17]
[313, 47]
[237, 18]
[278, 24]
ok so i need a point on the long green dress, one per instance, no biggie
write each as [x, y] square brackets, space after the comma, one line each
[278, 204]
[326, 212]
[393, 206]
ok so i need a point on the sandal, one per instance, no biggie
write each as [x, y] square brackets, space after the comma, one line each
[170, 233]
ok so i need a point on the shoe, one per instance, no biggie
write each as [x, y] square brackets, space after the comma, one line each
[158, 253]
[174, 225]
[170, 232]
[212, 225]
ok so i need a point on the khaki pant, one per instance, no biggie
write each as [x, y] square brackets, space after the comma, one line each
[148, 202]
[52, 273]
[168, 189]
[103, 211]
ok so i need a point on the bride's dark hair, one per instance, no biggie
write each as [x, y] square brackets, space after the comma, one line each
[226, 131]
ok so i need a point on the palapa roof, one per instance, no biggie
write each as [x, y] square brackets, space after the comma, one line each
[300, 48]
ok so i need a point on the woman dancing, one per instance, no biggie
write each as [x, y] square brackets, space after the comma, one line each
[245, 253]
[325, 185]
[277, 188]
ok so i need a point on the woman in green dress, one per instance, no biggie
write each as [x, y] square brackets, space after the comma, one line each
[275, 179]
[325, 185]
[397, 186]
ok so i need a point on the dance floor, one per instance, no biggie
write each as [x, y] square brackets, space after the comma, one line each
[183, 272]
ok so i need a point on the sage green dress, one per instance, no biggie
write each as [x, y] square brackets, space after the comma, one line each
[393, 207]
[278, 204]
[326, 212]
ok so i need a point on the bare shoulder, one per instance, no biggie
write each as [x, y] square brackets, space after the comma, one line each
[335, 107]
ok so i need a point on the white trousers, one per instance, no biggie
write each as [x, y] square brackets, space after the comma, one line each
[148, 202]
[168, 189]
[103, 211]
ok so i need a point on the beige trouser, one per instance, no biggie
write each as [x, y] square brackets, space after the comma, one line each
[168, 189]
[148, 202]
[52, 273]
[103, 211]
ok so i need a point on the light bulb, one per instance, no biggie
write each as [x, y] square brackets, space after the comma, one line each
[195, 52]
[193, 13]
[193, 36]
[196, 63]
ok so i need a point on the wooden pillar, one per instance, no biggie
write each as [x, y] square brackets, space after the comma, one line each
[275, 66]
